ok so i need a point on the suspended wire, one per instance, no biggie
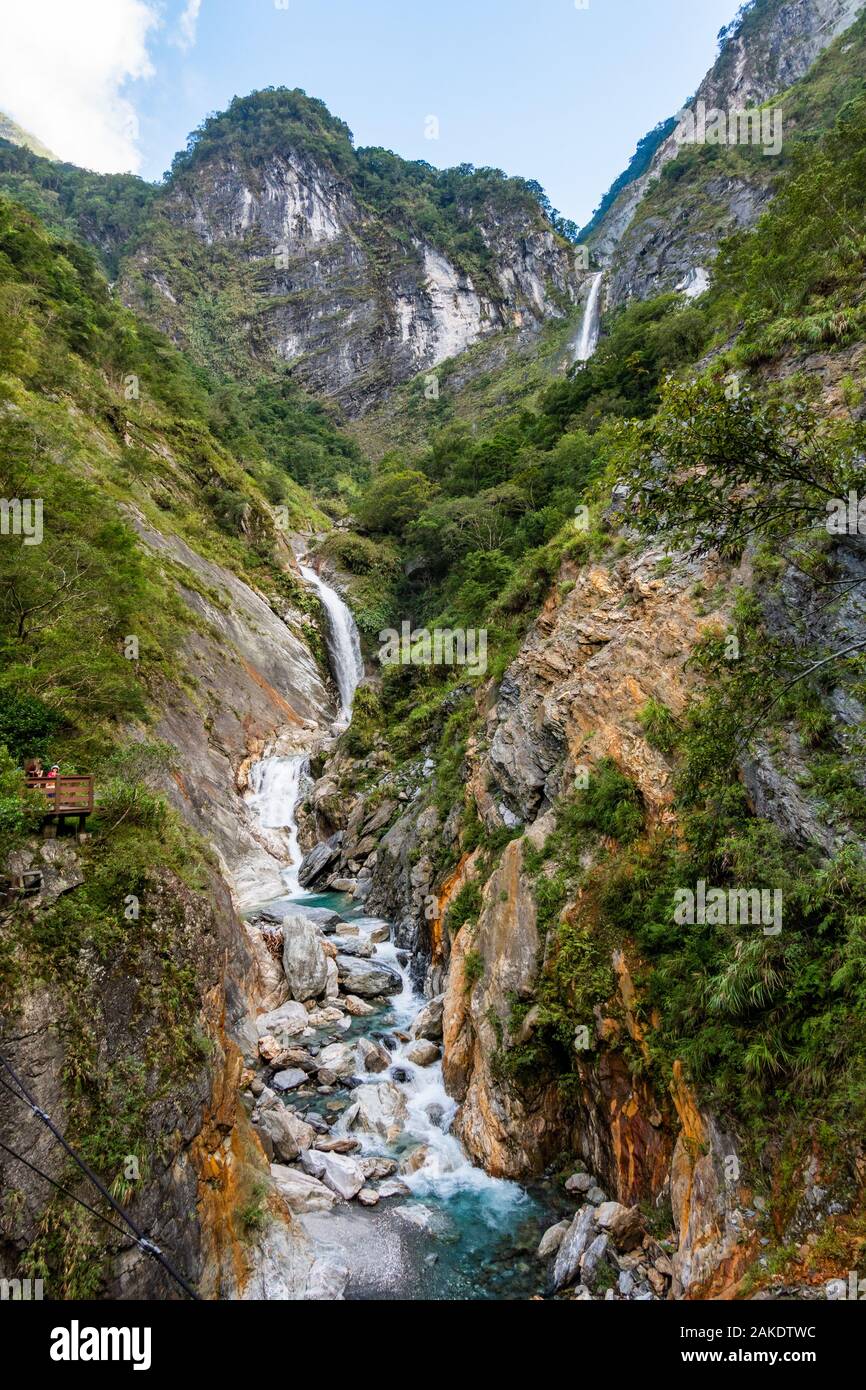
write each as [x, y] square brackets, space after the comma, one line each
[67, 1192]
[147, 1246]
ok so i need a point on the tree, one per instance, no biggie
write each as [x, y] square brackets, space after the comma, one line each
[393, 500]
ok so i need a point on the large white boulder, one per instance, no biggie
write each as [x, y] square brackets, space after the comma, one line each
[304, 959]
[301, 1191]
[381, 1110]
[341, 1174]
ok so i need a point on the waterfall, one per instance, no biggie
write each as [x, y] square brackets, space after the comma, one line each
[587, 339]
[344, 645]
[276, 785]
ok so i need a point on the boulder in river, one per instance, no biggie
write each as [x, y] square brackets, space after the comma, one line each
[579, 1182]
[353, 946]
[423, 1053]
[319, 859]
[393, 1187]
[552, 1239]
[287, 1021]
[372, 1056]
[379, 1109]
[288, 1134]
[340, 1146]
[304, 961]
[342, 1174]
[289, 1079]
[579, 1236]
[375, 1169]
[338, 1058]
[358, 1008]
[428, 1023]
[368, 978]
[332, 984]
[624, 1224]
[301, 1191]
[592, 1258]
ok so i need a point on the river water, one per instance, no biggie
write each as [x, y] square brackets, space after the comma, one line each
[459, 1233]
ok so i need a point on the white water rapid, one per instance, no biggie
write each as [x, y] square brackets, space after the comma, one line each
[344, 644]
[587, 339]
[276, 785]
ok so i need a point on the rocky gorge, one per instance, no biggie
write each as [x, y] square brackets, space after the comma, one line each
[365, 978]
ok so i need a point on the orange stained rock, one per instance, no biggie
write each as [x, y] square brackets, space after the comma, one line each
[693, 1127]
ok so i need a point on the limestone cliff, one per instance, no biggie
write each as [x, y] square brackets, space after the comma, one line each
[284, 246]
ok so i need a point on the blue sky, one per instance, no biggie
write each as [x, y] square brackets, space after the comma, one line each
[546, 90]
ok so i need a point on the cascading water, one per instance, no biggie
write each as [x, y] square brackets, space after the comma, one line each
[344, 645]
[276, 785]
[485, 1228]
[587, 338]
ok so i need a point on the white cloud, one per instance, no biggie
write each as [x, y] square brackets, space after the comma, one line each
[186, 27]
[63, 65]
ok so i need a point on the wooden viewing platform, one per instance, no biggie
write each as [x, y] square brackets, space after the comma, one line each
[67, 795]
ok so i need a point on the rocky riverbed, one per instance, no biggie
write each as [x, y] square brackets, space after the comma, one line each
[347, 1098]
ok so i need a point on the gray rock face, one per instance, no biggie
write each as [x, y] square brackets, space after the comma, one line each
[320, 858]
[367, 978]
[304, 961]
[247, 663]
[525, 755]
[654, 252]
[358, 302]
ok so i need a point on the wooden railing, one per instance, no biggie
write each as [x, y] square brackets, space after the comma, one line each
[67, 795]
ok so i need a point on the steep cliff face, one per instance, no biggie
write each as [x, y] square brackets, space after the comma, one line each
[663, 230]
[287, 250]
[127, 980]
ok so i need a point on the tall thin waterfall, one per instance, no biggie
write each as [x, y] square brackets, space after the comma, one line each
[587, 339]
[344, 645]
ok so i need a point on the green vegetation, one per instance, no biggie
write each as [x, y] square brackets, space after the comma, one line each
[768, 1027]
